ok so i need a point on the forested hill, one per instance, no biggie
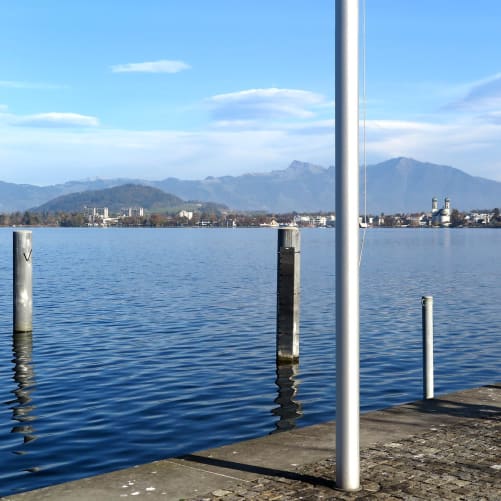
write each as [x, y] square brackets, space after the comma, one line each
[128, 195]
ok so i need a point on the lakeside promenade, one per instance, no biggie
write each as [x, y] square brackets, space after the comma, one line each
[446, 448]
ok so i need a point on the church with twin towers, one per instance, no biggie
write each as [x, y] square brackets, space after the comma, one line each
[441, 217]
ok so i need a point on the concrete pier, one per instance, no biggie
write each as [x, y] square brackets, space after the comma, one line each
[445, 448]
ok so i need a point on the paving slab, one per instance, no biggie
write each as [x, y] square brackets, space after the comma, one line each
[449, 444]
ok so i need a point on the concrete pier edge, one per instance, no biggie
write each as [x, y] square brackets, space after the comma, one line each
[291, 457]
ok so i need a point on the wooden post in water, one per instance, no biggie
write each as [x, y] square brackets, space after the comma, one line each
[288, 283]
[22, 278]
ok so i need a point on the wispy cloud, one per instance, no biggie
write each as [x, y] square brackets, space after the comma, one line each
[468, 143]
[162, 66]
[15, 84]
[259, 104]
[55, 120]
[153, 154]
[493, 117]
[482, 95]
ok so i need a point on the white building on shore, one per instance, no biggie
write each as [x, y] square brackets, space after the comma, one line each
[132, 212]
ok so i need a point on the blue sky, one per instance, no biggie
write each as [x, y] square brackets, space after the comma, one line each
[193, 88]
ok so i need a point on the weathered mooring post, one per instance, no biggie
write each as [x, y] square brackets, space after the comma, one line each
[288, 287]
[427, 316]
[22, 278]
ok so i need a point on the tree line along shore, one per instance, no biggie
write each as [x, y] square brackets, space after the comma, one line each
[225, 219]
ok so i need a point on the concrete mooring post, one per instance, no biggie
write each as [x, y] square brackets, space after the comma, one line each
[288, 287]
[427, 315]
[22, 275]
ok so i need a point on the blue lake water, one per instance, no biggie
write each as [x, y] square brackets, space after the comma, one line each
[150, 343]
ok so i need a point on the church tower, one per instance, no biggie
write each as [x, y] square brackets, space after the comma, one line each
[447, 205]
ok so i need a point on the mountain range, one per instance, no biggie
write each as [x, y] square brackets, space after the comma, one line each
[396, 185]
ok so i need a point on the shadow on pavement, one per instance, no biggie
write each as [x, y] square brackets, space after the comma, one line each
[259, 470]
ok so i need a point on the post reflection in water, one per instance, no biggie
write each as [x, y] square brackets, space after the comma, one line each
[289, 409]
[22, 406]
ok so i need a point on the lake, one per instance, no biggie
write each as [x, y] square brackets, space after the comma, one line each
[150, 343]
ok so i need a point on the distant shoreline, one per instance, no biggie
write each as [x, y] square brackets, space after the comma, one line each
[195, 227]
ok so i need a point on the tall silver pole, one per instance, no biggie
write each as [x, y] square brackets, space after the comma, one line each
[427, 317]
[347, 249]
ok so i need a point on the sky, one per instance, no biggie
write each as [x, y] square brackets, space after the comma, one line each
[192, 88]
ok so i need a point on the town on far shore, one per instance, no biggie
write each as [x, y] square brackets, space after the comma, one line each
[443, 217]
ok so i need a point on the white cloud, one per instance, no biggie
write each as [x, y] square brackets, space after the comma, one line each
[53, 119]
[162, 66]
[264, 104]
[3, 108]
[13, 84]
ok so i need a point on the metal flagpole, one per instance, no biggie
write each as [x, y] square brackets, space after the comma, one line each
[347, 248]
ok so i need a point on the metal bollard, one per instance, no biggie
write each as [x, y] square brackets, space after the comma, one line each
[22, 278]
[288, 282]
[427, 315]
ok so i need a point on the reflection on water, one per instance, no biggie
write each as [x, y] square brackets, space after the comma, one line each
[22, 407]
[289, 410]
